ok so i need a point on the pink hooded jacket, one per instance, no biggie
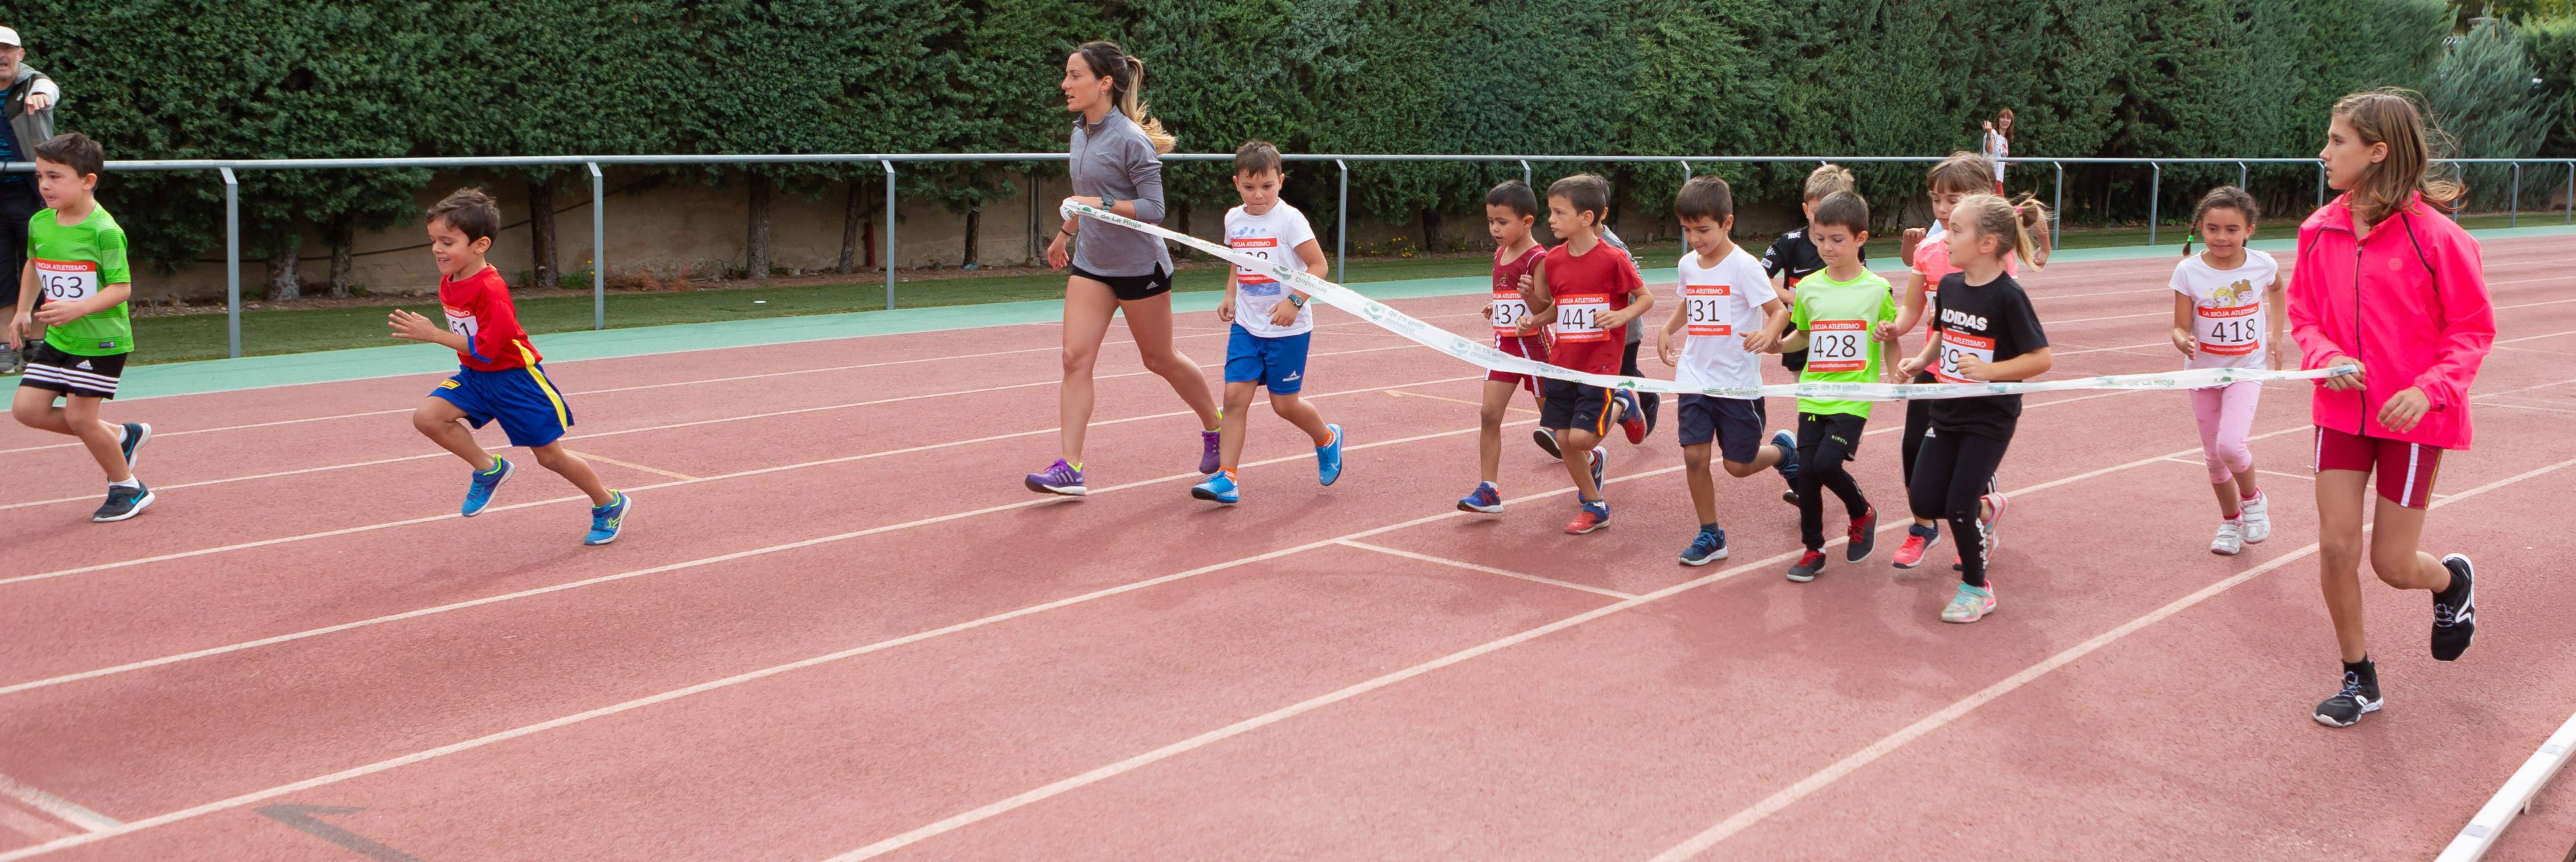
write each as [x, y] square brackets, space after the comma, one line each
[2409, 302]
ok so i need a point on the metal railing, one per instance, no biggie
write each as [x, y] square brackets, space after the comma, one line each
[225, 169]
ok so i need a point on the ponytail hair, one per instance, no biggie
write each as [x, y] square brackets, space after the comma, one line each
[2392, 116]
[1126, 74]
[2023, 224]
[2222, 198]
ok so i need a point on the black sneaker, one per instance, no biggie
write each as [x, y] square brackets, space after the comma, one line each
[1809, 565]
[136, 434]
[1864, 536]
[1546, 441]
[2455, 623]
[122, 503]
[2348, 706]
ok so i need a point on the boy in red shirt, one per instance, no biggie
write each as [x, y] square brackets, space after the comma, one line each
[503, 378]
[1590, 292]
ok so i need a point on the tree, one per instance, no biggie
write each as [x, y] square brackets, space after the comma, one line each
[2483, 96]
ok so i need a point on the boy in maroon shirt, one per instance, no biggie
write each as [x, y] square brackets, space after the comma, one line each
[1591, 293]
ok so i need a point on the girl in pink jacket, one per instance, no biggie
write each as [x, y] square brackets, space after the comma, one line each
[2388, 285]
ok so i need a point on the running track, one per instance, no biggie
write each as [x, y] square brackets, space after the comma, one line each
[838, 628]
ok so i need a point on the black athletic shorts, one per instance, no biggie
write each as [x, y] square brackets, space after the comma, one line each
[71, 373]
[1130, 288]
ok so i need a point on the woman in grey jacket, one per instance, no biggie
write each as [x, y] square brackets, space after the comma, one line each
[30, 97]
[1116, 166]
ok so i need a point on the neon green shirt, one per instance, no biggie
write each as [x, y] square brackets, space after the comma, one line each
[73, 263]
[1837, 317]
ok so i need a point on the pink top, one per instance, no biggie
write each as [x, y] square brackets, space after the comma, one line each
[2409, 302]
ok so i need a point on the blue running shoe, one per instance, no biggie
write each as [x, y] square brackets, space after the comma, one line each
[1632, 418]
[1788, 466]
[1708, 547]
[1600, 466]
[136, 434]
[1220, 488]
[1328, 457]
[1485, 499]
[479, 494]
[609, 520]
[1059, 478]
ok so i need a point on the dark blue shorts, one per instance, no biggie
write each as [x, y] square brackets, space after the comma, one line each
[1735, 423]
[1276, 363]
[526, 404]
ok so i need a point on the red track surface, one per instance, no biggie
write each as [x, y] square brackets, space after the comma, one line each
[839, 624]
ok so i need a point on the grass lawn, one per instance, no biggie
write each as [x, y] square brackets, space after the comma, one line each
[176, 338]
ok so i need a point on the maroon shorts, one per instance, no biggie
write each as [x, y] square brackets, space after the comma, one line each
[2405, 469]
[1532, 346]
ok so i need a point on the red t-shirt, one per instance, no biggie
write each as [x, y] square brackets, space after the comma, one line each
[478, 307]
[1593, 283]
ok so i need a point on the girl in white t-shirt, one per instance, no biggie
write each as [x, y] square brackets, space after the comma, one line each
[2229, 312]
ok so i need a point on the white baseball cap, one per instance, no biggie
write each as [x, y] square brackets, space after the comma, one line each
[9, 37]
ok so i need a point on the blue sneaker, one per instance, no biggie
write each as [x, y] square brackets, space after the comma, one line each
[1632, 418]
[479, 494]
[1708, 547]
[609, 520]
[1220, 488]
[1328, 457]
[1485, 499]
[136, 434]
[1788, 466]
[1059, 478]
[1600, 465]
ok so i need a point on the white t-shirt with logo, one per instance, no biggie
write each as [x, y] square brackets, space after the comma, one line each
[1720, 304]
[2228, 318]
[1275, 236]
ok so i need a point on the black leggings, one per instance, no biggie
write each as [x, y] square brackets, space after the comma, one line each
[1951, 472]
[1918, 419]
[1825, 442]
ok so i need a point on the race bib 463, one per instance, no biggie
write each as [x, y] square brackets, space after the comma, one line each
[67, 280]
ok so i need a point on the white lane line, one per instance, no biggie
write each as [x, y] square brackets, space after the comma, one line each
[262, 543]
[57, 806]
[1445, 561]
[84, 498]
[1818, 780]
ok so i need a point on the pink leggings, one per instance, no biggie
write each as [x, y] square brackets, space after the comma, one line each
[2226, 414]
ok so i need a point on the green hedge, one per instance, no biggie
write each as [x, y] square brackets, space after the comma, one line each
[307, 78]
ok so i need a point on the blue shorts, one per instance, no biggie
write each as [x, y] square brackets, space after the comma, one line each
[1735, 423]
[1277, 363]
[527, 405]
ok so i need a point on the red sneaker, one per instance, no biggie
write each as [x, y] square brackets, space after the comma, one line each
[1918, 541]
[1632, 418]
[1809, 565]
[1864, 536]
[1592, 516]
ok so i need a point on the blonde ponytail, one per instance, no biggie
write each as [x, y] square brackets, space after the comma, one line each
[2021, 226]
[1131, 102]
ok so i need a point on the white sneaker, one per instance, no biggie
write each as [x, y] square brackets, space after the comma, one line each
[2258, 518]
[2230, 540]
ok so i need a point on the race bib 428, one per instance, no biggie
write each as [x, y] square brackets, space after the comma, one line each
[1837, 345]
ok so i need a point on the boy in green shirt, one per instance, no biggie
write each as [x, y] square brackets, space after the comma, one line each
[76, 263]
[1833, 316]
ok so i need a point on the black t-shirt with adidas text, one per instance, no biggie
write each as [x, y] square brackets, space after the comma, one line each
[1993, 322]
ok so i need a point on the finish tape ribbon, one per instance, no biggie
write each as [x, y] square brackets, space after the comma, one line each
[1483, 353]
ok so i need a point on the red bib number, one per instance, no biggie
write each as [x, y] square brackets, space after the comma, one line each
[1837, 345]
[1578, 318]
[1706, 304]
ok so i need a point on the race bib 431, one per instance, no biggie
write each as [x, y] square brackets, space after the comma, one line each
[1707, 307]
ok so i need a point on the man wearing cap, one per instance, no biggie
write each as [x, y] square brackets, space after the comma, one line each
[31, 99]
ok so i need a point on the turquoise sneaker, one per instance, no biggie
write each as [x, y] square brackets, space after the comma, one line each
[1970, 604]
[1219, 488]
[1328, 458]
[479, 494]
[606, 522]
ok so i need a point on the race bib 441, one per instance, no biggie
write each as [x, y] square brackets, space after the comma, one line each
[67, 280]
[1837, 345]
[1578, 318]
[1706, 304]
